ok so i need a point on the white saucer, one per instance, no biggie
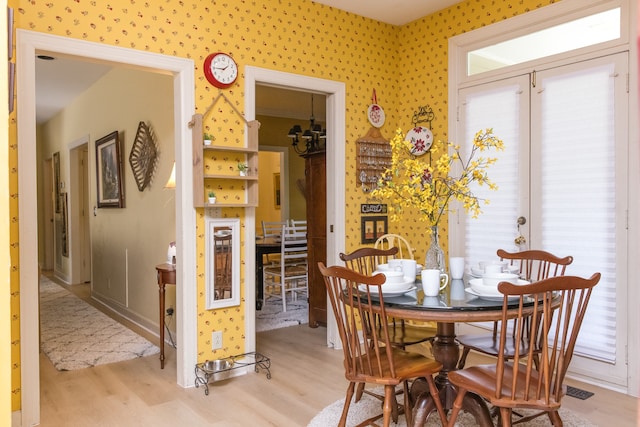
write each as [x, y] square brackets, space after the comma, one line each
[488, 297]
[406, 283]
[479, 288]
[393, 293]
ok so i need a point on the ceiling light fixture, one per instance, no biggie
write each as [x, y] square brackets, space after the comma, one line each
[315, 137]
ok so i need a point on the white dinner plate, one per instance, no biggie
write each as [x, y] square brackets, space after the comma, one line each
[489, 297]
[391, 293]
[479, 287]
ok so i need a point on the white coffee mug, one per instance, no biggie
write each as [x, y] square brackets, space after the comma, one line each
[409, 268]
[456, 267]
[492, 269]
[395, 264]
[432, 282]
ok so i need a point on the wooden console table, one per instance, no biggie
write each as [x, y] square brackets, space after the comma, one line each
[166, 276]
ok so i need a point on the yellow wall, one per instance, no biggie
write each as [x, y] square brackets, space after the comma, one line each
[407, 66]
[5, 307]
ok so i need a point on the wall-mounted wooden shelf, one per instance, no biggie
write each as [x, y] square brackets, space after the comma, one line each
[248, 155]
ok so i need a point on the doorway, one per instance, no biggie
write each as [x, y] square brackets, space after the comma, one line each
[335, 103]
[29, 43]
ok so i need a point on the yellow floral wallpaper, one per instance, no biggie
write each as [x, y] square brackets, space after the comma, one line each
[407, 66]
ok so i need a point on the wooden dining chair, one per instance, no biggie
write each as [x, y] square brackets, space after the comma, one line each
[369, 357]
[534, 265]
[388, 241]
[559, 305]
[365, 261]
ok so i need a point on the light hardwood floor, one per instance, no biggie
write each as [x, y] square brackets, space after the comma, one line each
[306, 376]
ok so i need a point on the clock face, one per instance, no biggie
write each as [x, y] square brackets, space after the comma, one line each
[220, 70]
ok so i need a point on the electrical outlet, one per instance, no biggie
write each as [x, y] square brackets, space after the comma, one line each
[216, 340]
[170, 311]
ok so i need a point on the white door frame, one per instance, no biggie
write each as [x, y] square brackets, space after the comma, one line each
[27, 44]
[335, 93]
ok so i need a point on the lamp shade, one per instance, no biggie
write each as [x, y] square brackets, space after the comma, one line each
[171, 183]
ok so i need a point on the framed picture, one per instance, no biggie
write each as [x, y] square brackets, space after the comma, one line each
[109, 172]
[56, 180]
[373, 227]
[65, 225]
[276, 190]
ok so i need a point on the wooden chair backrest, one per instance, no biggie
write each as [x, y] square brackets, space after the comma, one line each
[559, 306]
[395, 241]
[350, 294]
[536, 265]
[366, 260]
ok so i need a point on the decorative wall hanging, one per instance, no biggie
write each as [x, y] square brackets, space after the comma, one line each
[421, 137]
[143, 156]
[373, 156]
[375, 113]
[373, 227]
[56, 180]
[109, 172]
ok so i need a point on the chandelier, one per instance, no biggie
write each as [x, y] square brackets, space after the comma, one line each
[315, 138]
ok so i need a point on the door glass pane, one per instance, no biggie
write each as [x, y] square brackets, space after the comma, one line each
[587, 31]
[500, 107]
[577, 179]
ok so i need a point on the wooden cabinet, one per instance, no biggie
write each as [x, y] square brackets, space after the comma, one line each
[226, 179]
[316, 194]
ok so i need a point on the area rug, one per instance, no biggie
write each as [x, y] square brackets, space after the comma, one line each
[75, 335]
[369, 406]
[272, 317]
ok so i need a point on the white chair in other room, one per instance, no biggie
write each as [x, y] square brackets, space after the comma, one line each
[299, 225]
[289, 275]
[272, 228]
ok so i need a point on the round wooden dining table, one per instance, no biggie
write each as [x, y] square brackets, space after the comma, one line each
[454, 304]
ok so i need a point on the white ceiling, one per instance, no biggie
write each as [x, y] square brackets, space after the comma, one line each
[396, 12]
[60, 81]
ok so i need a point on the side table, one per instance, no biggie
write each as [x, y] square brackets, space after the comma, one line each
[166, 276]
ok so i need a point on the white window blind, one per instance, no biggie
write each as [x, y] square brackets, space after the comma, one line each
[578, 193]
[498, 108]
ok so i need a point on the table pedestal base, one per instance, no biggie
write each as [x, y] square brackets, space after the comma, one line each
[447, 352]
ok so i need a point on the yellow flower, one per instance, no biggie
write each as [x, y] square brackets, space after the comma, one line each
[412, 183]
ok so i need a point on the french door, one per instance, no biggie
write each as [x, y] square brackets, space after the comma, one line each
[562, 182]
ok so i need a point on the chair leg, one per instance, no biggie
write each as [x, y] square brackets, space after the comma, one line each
[436, 399]
[347, 402]
[283, 292]
[387, 407]
[457, 405]
[463, 358]
[555, 418]
[408, 404]
[505, 415]
[359, 391]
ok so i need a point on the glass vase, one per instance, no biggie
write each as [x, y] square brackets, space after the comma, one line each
[435, 255]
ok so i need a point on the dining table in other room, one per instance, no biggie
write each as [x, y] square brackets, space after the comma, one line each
[264, 246]
[455, 304]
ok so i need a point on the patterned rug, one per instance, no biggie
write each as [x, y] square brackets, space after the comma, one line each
[75, 335]
[272, 317]
[369, 406]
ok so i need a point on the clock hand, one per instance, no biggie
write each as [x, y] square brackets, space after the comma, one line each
[221, 68]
